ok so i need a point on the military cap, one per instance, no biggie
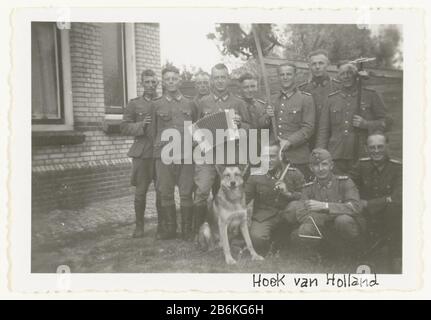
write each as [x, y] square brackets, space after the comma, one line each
[318, 155]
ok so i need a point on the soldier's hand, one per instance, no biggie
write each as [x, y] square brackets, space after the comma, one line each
[364, 204]
[147, 120]
[270, 111]
[281, 185]
[314, 205]
[237, 119]
[359, 122]
[363, 74]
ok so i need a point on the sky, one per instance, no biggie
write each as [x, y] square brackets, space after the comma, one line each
[187, 44]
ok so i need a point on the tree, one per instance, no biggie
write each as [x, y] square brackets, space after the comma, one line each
[343, 42]
[235, 41]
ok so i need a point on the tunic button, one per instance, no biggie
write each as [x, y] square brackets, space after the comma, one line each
[279, 133]
[279, 126]
[279, 119]
[346, 122]
[282, 110]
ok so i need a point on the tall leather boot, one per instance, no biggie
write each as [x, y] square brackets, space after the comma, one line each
[139, 214]
[170, 214]
[187, 223]
[199, 217]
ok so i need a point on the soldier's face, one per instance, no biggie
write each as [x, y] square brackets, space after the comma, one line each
[318, 65]
[150, 84]
[171, 81]
[347, 76]
[202, 85]
[287, 75]
[377, 147]
[249, 88]
[220, 79]
[272, 154]
[323, 169]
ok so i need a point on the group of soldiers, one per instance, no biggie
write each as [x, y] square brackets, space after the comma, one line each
[341, 183]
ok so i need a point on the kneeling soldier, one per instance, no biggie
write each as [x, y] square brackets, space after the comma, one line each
[271, 195]
[329, 208]
[379, 180]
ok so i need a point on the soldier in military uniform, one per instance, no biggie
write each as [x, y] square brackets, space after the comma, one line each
[256, 107]
[170, 112]
[137, 118]
[219, 100]
[202, 85]
[320, 85]
[329, 208]
[294, 113]
[379, 179]
[343, 127]
[271, 197]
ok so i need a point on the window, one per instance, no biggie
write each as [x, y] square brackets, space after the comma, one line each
[46, 84]
[114, 67]
[51, 100]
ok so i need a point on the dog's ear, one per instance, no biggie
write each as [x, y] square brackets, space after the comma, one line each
[220, 169]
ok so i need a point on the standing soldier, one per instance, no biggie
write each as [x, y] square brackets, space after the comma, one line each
[329, 208]
[256, 107]
[271, 194]
[379, 179]
[219, 100]
[202, 85]
[343, 125]
[136, 122]
[170, 112]
[295, 116]
[320, 85]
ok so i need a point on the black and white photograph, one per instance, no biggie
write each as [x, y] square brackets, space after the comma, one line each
[219, 145]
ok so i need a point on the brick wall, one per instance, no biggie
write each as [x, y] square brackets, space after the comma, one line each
[100, 162]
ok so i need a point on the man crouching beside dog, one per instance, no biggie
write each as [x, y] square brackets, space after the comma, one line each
[271, 193]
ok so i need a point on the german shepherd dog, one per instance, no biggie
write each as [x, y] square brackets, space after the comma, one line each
[227, 214]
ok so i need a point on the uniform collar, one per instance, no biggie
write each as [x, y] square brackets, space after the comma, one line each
[326, 184]
[320, 81]
[287, 95]
[346, 93]
[177, 98]
[379, 166]
[274, 174]
[222, 97]
[147, 97]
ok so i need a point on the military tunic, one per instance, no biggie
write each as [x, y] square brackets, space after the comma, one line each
[141, 150]
[343, 214]
[205, 174]
[376, 183]
[295, 117]
[335, 130]
[320, 91]
[171, 113]
[269, 203]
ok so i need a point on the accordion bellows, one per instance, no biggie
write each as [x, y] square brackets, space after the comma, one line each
[218, 120]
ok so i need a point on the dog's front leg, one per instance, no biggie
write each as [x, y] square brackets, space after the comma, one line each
[246, 235]
[225, 242]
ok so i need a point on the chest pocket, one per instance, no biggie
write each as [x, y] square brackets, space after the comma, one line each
[186, 115]
[265, 193]
[366, 110]
[164, 117]
[294, 115]
[336, 116]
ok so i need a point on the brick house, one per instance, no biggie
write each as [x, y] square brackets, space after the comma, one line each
[83, 74]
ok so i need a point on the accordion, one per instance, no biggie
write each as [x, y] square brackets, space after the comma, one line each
[218, 120]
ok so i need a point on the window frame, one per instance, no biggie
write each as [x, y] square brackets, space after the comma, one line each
[65, 86]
